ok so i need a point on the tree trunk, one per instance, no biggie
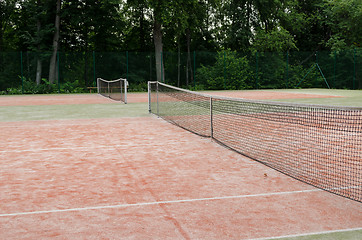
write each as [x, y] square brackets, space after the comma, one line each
[53, 59]
[157, 38]
[38, 70]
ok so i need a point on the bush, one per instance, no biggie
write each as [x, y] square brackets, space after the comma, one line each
[230, 72]
[141, 87]
[30, 87]
[71, 87]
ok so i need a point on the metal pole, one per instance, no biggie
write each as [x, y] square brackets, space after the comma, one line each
[157, 99]
[211, 120]
[354, 69]
[162, 80]
[94, 68]
[58, 64]
[287, 85]
[334, 70]
[149, 96]
[125, 91]
[194, 68]
[98, 86]
[316, 63]
[150, 66]
[256, 56]
[224, 69]
[21, 69]
[127, 65]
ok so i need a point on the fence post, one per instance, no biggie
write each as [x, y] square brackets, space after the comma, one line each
[287, 85]
[158, 113]
[316, 63]
[211, 120]
[334, 69]
[194, 68]
[150, 66]
[354, 69]
[58, 64]
[94, 69]
[224, 68]
[21, 69]
[149, 96]
[256, 57]
[162, 68]
[127, 65]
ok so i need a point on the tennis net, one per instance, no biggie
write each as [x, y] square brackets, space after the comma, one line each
[319, 145]
[114, 89]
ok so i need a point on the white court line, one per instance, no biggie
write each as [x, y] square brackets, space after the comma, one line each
[156, 203]
[310, 234]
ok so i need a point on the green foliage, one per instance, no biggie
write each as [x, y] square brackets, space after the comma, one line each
[140, 87]
[71, 87]
[230, 71]
[271, 68]
[277, 40]
[29, 87]
[345, 20]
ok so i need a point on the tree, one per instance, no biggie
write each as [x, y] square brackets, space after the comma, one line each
[276, 40]
[159, 8]
[304, 20]
[137, 31]
[345, 20]
[52, 65]
[7, 11]
[35, 30]
[239, 25]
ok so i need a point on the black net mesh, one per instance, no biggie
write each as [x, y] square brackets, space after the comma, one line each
[319, 145]
[181, 107]
[115, 89]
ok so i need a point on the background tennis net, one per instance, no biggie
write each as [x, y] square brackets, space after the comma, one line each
[114, 89]
[319, 145]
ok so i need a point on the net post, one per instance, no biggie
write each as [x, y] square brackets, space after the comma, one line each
[211, 120]
[121, 85]
[94, 66]
[125, 90]
[149, 96]
[157, 98]
[98, 85]
[58, 70]
[109, 90]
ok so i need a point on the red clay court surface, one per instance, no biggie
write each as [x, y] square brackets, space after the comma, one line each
[143, 178]
[24, 100]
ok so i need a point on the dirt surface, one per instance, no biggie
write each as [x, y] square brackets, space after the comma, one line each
[58, 99]
[143, 178]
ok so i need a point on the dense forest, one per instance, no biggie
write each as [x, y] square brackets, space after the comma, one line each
[203, 43]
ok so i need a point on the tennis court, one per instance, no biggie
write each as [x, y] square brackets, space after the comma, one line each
[85, 167]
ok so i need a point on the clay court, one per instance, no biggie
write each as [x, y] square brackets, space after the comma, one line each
[131, 175]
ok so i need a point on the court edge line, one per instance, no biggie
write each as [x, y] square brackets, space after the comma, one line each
[157, 203]
[310, 234]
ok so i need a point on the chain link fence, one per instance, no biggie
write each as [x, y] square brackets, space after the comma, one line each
[78, 71]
